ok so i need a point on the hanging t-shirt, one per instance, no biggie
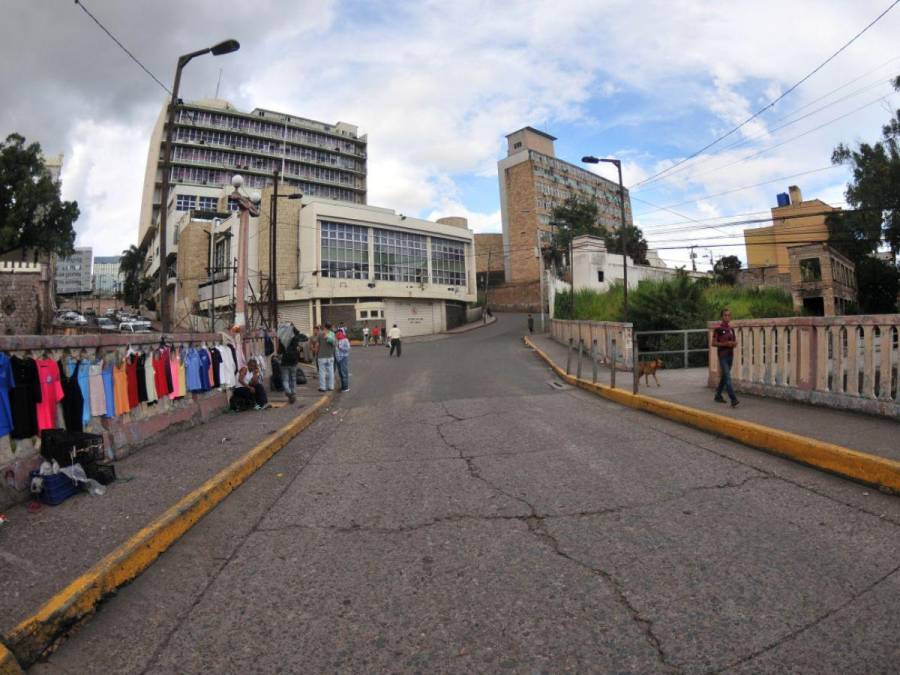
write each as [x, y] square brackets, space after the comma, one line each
[109, 391]
[7, 382]
[204, 369]
[131, 374]
[24, 397]
[173, 373]
[97, 393]
[167, 369]
[216, 357]
[227, 369]
[192, 370]
[51, 393]
[150, 380]
[84, 383]
[73, 401]
[120, 382]
[142, 366]
[159, 374]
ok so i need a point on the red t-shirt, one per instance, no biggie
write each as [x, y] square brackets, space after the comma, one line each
[724, 333]
[131, 373]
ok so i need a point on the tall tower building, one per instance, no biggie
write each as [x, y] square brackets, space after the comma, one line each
[532, 182]
[212, 141]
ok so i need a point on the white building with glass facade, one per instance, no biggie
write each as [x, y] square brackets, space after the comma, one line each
[73, 274]
[107, 279]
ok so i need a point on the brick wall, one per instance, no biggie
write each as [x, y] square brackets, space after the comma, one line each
[516, 297]
[193, 260]
[486, 244]
[20, 299]
[521, 198]
[286, 240]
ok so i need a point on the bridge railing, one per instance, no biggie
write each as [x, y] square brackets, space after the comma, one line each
[606, 334]
[848, 362]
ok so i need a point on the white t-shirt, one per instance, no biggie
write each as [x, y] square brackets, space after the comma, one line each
[394, 333]
[365, 330]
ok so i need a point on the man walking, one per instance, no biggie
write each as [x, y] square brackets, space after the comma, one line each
[324, 347]
[394, 337]
[530, 323]
[724, 340]
[290, 358]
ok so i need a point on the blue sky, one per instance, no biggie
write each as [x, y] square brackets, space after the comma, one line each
[437, 85]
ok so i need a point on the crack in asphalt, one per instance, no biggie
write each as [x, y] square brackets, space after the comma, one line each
[812, 624]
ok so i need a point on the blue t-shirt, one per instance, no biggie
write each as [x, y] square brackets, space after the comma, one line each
[192, 370]
[204, 370]
[7, 382]
[110, 391]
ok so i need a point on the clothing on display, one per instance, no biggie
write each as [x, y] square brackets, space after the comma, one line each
[7, 382]
[51, 393]
[24, 397]
[97, 393]
[150, 379]
[143, 377]
[131, 374]
[73, 400]
[109, 390]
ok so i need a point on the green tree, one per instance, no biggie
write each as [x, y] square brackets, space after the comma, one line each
[671, 304]
[878, 283]
[636, 244]
[577, 216]
[32, 214]
[134, 286]
[873, 192]
[726, 268]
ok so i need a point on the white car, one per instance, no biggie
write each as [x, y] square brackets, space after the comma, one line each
[132, 327]
[71, 319]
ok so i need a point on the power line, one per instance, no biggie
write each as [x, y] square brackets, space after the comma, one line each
[125, 49]
[774, 101]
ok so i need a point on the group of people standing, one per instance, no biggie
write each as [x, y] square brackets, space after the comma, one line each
[331, 349]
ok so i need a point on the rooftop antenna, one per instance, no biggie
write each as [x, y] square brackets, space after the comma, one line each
[218, 83]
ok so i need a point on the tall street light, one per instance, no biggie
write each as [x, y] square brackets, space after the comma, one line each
[590, 159]
[225, 47]
[248, 206]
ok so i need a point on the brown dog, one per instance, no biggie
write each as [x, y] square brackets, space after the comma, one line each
[648, 368]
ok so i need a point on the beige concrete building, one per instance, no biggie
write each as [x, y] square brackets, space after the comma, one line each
[213, 141]
[532, 182]
[823, 282]
[794, 222]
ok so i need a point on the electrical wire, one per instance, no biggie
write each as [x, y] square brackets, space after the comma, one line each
[123, 47]
[771, 103]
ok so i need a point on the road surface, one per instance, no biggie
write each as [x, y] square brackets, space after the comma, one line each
[463, 512]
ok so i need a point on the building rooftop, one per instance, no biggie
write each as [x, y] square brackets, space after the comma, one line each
[534, 131]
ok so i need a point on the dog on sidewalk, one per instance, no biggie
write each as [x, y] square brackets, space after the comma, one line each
[648, 368]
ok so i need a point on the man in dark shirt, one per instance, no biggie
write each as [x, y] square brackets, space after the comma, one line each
[724, 340]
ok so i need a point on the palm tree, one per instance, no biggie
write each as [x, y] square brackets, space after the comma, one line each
[131, 265]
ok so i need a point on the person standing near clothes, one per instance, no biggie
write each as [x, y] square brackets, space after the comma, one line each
[394, 337]
[342, 359]
[365, 336]
[530, 324]
[290, 358]
[725, 340]
[323, 344]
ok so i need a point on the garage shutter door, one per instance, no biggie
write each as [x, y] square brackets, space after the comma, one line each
[298, 312]
[414, 318]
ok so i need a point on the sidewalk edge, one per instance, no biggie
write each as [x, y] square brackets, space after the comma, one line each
[8, 663]
[34, 635]
[878, 471]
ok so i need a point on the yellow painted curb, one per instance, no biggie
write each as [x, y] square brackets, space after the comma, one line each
[8, 663]
[879, 471]
[34, 635]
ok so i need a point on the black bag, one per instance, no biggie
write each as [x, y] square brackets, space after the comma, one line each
[301, 376]
[102, 473]
[275, 383]
[70, 447]
[269, 346]
[240, 401]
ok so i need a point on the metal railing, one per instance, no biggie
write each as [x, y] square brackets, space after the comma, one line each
[669, 344]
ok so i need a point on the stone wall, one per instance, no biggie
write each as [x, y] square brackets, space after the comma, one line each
[765, 277]
[521, 197]
[20, 298]
[123, 434]
[488, 248]
[516, 297]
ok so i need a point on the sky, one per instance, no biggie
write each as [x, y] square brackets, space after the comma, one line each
[438, 85]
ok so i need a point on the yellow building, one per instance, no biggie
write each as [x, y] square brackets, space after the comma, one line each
[795, 223]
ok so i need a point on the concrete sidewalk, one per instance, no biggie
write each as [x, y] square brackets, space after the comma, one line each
[864, 433]
[40, 553]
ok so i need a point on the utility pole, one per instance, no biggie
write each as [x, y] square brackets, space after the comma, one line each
[693, 259]
[618, 164]
[273, 234]
[487, 277]
[540, 253]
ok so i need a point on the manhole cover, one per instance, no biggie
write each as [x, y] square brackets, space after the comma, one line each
[559, 386]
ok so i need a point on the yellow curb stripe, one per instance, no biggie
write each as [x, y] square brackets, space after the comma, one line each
[879, 471]
[8, 663]
[35, 634]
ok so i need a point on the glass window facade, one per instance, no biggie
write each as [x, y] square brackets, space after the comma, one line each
[208, 203]
[185, 202]
[345, 251]
[400, 256]
[448, 262]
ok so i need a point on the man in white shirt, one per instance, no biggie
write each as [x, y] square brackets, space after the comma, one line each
[365, 336]
[394, 337]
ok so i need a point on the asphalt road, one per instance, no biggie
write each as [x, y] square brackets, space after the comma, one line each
[462, 513]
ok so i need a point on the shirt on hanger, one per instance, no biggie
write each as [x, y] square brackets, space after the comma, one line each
[120, 382]
[97, 391]
[7, 382]
[204, 370]
[143, 364]
[150, 380]
[51, 393]
[84, 383]
[24, 397]
[131, 374]
[73, 400]
[173, 373]
[109, 391]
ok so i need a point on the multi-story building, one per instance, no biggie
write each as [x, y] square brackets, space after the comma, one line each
[73, 274]
[107, 279]
[336, 262]
[533, 181]
[213, 140]
[794, 222]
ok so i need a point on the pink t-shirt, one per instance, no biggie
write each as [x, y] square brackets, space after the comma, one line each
[51, 393]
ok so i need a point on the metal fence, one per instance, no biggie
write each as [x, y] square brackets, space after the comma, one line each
[676, 348]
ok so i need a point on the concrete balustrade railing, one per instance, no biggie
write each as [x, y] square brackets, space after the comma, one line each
[604, 332]
[848, 362]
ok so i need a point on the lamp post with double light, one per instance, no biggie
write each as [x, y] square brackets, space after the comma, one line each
[225, 47]
[248, 206]
[590, 159]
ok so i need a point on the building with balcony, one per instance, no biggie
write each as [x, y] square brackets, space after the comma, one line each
[73, 274]
[533, 181]
[351, 263]
[823, 282]
[213, 140]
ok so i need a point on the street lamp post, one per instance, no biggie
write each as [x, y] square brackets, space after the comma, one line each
[225, 47]
[248, 207]
[212, 275]
[589, 159]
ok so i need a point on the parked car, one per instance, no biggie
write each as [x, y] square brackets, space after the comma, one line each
[131, 327]
[106, 325]
[70, 319]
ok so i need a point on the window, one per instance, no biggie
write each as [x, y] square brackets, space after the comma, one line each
[810, 270]
[448, 262]
[233, 205]
[185, 202]
[600, 276]
[400, 256]
[345, 251]
[517, 145]
[208, 203]
[363, 314]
